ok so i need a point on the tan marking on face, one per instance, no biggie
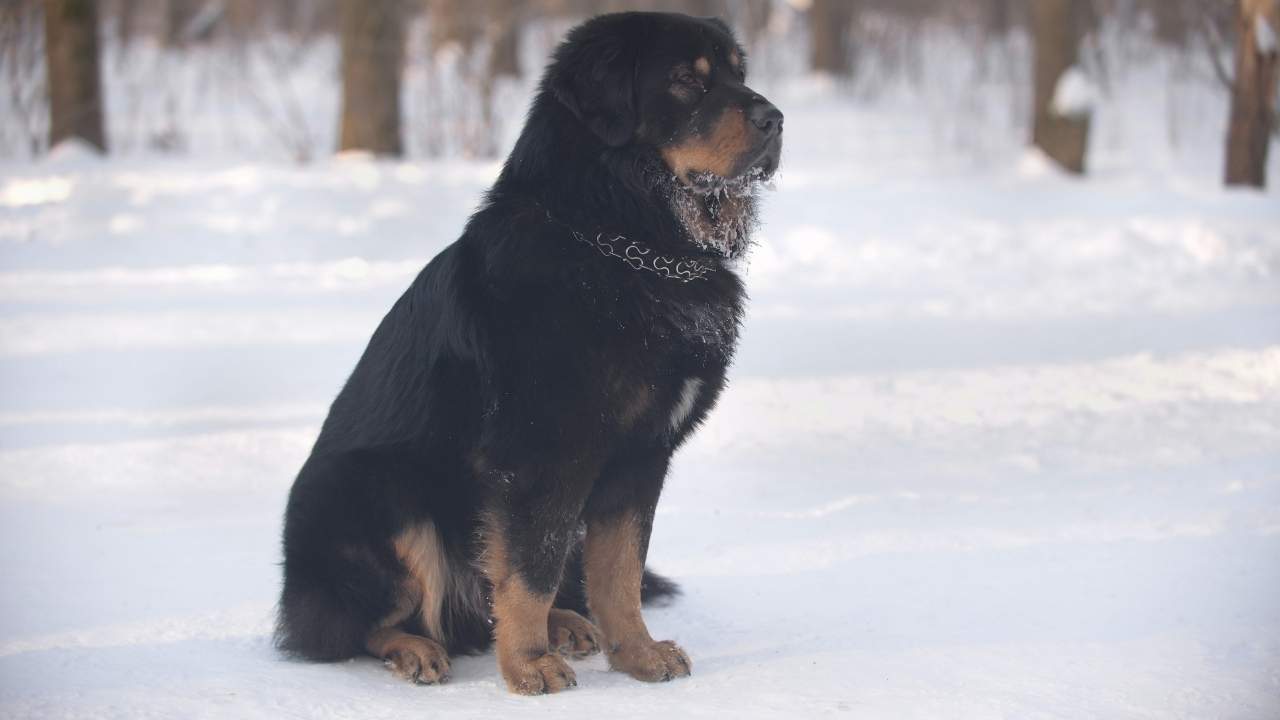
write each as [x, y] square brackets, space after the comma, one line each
[520, 622]
[702, 66]
[735, 59]
[419, 549]
[717, 153]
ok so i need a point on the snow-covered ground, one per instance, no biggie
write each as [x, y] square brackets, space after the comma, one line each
[998, 444]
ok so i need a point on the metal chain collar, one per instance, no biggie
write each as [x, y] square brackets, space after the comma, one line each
[639, 257]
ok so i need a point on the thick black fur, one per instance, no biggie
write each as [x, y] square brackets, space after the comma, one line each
[523, 374]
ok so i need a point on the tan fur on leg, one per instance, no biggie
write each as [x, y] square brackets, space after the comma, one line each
[520, 625]
[614, 568]
[419, 549]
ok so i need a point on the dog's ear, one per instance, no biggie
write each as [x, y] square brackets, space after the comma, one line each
[594, 76]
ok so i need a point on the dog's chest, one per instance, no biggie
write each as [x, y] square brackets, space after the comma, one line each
[686, 400]
[702, 333]
[681, 355]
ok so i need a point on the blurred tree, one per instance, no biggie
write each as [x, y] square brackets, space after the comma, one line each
[456, 22]
[22, 66]
[1061, 132]
[997, 17]
[1172, 19]
[372, 56]
[178, 15]
[696, 8]
[505, 22]
[830, 23]
[463, 41]
[754, 16]
[126, 17]
[1253, 92]
[71, 54]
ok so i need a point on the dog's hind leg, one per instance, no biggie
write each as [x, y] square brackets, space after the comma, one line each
[568, 633]
[414, 657]
[331, 601]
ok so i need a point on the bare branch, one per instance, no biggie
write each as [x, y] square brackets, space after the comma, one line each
[1214, 44]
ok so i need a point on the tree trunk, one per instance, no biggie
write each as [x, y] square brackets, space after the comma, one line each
[830, 22]
[505, 24]
[754, 17]
[997, 17]
[702, 8]
[1172, 20]
[71, 54]
[126, 20]
[1253, 95]
[177, 17]
[372, 55]
[1057, 26]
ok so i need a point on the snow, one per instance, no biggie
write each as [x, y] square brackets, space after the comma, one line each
[998, 442]
[1264, 36]
[1074, 94]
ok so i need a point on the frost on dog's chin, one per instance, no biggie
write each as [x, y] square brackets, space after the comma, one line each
[719, 213]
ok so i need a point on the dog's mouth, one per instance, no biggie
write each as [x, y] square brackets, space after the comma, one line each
[765, 167]
[756, 169]
[757, 175]
[767, 160]
[719, 212]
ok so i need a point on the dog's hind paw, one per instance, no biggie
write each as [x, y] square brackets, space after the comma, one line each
[418, 660]
[571, 634]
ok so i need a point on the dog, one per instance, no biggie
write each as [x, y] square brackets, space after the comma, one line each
[490, 470]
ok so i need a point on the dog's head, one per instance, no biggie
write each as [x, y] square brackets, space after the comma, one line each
[674, 83]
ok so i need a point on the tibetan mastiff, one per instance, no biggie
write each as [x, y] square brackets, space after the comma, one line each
[490, 470]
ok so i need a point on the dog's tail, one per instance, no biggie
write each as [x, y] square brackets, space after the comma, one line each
[654, 588]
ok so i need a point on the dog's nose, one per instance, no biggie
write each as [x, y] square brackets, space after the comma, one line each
[766, 117]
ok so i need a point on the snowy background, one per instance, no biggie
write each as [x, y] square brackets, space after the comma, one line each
[998, 444]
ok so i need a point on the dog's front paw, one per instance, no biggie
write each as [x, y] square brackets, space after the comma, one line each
[546, 673]
[650, 661]
[571, 634]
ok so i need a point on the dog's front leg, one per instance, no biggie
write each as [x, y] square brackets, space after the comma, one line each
[525, 545]
[613, 558]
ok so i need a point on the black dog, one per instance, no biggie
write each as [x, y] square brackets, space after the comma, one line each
[491, 468]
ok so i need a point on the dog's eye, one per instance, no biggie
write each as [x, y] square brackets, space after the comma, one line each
[684, 76]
